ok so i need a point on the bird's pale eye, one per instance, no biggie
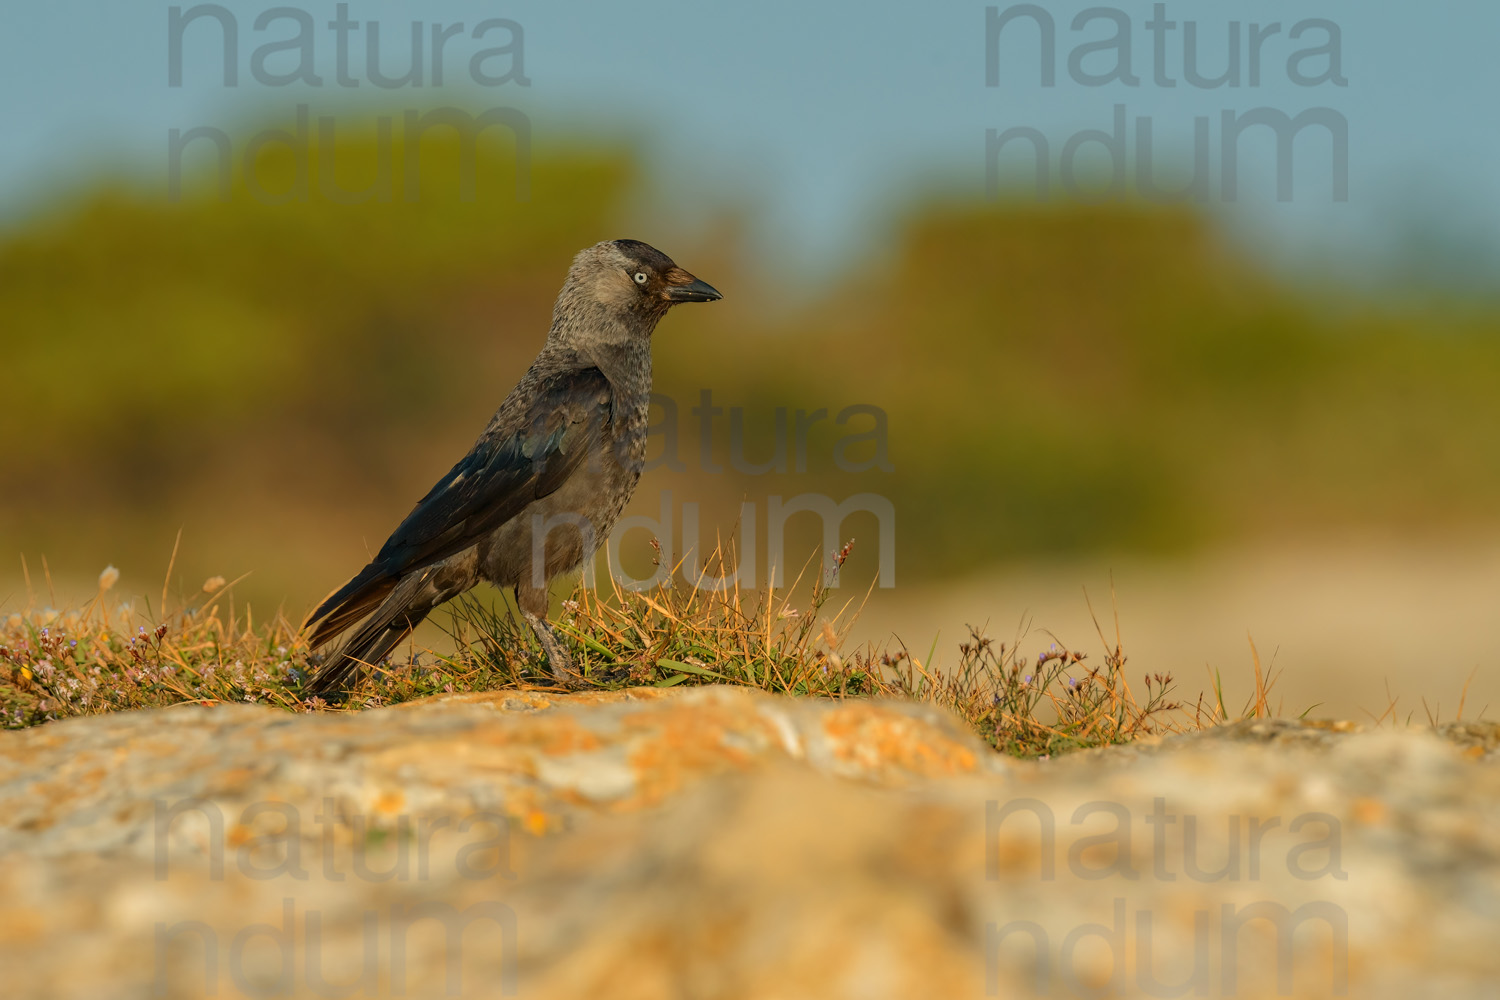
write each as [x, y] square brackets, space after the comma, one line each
[640, 277]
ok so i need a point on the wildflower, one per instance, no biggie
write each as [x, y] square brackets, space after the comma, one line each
[1027, 679]
[108, 578]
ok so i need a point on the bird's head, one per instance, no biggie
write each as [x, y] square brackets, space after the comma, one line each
[633, 278]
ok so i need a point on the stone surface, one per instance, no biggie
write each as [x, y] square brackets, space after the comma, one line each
[715, 842]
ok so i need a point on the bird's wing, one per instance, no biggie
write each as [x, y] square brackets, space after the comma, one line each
[512, 465]
[526, 454]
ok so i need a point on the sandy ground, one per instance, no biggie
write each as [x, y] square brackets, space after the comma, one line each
[1342, 620]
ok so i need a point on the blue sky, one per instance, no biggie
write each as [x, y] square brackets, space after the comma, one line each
[820, 119]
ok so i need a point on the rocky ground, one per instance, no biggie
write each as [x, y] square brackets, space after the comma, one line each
[718, 843]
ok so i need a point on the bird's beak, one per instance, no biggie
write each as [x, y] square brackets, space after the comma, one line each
[683, 287]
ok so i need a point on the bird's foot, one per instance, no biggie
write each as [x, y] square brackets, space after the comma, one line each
[563, 670]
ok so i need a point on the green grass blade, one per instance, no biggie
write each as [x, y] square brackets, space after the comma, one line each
[688, 668]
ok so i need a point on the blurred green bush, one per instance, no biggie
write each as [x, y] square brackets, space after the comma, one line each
[1057, 379]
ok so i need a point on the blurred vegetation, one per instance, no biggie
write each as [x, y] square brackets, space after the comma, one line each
[286, 380]
[101, 658]
[1118, 378]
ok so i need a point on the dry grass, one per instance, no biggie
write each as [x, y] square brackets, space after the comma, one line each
[107, 657]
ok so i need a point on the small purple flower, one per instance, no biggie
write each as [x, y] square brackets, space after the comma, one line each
[1026, 679]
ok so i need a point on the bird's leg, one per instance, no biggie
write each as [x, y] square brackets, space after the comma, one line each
[533, 604]
[557, 657]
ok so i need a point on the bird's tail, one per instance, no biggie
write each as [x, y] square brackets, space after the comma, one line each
[395, 614]
[366, 648]
[394, 606]
[349, 604]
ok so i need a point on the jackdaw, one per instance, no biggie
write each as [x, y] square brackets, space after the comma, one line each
[545, 482]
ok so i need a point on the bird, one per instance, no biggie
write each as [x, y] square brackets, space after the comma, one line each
[543, 484]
